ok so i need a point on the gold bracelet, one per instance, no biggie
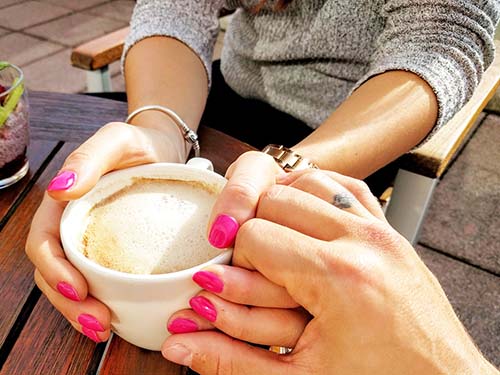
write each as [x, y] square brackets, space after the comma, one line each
[189, 135]
[288, 159]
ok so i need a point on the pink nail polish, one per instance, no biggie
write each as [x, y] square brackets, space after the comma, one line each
[63, 181]
[208, 281]
[90, 322]
[91, 335]
[68, 291]
[204, 308]
[223, 231]
[181, 325]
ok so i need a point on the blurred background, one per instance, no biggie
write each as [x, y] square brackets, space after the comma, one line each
[464, 219]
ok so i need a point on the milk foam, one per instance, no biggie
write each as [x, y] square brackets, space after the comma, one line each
[151, 227]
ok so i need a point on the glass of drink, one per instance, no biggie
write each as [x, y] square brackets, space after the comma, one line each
[14, 125]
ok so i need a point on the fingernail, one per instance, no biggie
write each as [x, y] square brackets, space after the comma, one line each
[91, 334]
[208, 281]
[179, 354]
[68, 291]
[181, 325]
[90, 322]
[223, 231]
[204, 308]
[63, 181]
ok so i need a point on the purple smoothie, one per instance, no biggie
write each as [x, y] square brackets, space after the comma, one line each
[14, 137]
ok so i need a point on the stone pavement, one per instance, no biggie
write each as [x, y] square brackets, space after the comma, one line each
[464, 219]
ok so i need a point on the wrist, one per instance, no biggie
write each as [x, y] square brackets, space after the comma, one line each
[167, 127]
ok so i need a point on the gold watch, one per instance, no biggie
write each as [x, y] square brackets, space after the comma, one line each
[287, 158]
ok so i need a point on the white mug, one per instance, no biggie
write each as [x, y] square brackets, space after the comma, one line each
[140, 304]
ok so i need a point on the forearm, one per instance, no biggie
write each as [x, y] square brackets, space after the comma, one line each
[384, 118]
[164, 71]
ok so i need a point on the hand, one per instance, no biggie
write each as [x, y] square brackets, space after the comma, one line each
[250, 175]
[114, 146]
[375, 307]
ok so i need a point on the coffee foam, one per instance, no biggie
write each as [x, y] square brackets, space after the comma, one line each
[152, 226]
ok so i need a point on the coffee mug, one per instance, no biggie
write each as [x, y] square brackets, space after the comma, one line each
[140, 304]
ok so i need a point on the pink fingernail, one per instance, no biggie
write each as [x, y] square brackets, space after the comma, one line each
[181, 325]
[90, 322]
[223, 231]
[91, 334]
[204, 308]
[68, 291]
[208, 281]
[63, 181]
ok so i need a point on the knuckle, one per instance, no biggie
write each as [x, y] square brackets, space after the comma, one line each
[79, 156]
[381, 234]
[242, 192]
[359, 187]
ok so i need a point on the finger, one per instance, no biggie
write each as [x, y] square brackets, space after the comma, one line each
[321, 185]
[258, 325]
[356, 187]
[114, 146]
[185, 321]
[243, 286]
[90, 317]
[305, 213]
[287, 258]
[44, 250]
[249, 176]
[213, 353]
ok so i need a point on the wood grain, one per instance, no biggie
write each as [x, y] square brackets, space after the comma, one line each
[38, 151]
[124, 358]
[48, 344]
[99, 52]
[71, 117]
[16, 271]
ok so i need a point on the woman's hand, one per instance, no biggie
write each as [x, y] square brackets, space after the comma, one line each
[114, 146]
[250, 175]
[375, 307]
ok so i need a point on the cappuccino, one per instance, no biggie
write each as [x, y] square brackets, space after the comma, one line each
[152, 226]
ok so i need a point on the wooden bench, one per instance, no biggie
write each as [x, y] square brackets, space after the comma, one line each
[418, 171]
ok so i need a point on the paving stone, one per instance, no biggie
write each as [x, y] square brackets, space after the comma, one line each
[475, 296]
[464, 215]
[3, 31]
[483, 150]
[29, 13]
[22, 49]
[55, 73]
[118, 9]
[75, 4]
[76, 28]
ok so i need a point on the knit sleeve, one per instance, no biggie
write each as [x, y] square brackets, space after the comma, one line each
[195, 23]
[448, 43]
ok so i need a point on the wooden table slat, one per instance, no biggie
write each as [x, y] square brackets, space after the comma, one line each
[123, 358]
[48, 344]
[38, 152]
[16, 271]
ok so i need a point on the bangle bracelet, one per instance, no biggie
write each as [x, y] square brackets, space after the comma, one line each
[189, 135]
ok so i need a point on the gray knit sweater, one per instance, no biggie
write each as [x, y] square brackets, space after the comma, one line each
[307, 59]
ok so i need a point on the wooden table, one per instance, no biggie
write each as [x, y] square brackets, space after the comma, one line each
[34, 337]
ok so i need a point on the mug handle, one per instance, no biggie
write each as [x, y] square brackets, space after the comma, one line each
[201, 163]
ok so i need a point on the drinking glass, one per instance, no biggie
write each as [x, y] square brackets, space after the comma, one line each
[14, 125]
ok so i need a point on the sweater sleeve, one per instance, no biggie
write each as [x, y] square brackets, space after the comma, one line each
[448, 43]
[195, 23]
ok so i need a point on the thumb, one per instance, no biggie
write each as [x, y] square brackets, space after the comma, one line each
[248, 177]
[114, 146]
[215, 353]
